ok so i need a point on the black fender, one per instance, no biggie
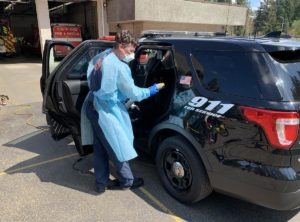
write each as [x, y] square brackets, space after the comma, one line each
[164, 130]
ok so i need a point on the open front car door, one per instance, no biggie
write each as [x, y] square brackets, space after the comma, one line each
[66, 88]
[51, 62]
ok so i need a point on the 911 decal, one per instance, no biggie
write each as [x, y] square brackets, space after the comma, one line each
[197, 102]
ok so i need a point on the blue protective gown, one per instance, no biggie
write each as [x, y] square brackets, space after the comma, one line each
[116, 86]
[86, 127]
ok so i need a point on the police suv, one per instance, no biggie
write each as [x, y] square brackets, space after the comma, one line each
[227, 120]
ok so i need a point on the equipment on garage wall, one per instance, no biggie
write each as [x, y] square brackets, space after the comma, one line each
[65, 32]
[83, 13]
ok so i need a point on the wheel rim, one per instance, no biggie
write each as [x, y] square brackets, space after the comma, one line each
[177, 170]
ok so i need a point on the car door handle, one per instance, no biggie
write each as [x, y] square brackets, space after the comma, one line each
[61, 104]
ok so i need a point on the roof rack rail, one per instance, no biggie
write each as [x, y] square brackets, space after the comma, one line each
[162, 33]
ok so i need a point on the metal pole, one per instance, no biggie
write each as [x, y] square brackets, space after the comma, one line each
[282, 22]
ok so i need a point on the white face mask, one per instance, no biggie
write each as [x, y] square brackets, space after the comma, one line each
[129, 57]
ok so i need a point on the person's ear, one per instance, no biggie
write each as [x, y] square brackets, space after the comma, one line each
[120, 48]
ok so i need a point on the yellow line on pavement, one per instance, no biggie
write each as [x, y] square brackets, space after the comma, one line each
[31, 115]
[161, 205]
[38, 164]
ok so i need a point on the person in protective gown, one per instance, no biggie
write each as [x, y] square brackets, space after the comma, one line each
[105, 122]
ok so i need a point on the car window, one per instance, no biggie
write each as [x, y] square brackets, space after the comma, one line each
[227, 72]
[147, 61]
[79, 68]
[287, 65]
[147, 58]
[181, 64]
[56, 55]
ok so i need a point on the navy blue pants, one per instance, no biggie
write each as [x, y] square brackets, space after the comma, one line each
[103, 153]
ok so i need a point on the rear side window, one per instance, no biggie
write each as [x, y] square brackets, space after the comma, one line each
[287, 56]
[79, 68]
[287, 65]
[227, 72]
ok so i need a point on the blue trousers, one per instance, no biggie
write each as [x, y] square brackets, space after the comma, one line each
[103, 153]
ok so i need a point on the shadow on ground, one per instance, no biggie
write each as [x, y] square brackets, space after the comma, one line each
[216, 207]
[19, 59]
[59, 171]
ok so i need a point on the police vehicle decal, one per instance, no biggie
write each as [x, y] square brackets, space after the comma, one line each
[212, 108]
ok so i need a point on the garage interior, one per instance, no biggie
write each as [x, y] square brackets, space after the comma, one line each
[21, 16]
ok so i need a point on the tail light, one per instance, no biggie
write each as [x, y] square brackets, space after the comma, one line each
[281, 128]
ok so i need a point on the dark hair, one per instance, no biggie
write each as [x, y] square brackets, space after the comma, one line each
[125, 38]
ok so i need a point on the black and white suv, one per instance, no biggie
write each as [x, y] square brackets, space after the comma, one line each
[227, 120]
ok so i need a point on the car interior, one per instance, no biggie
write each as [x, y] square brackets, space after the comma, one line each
[150, 66]
[74, 86]
[153, 66]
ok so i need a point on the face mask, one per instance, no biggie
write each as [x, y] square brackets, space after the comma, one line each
[128, 58]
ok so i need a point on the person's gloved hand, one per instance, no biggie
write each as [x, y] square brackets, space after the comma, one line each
[155, 88]
[160, 86]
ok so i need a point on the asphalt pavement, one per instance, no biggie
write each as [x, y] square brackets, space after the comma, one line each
[41, 180]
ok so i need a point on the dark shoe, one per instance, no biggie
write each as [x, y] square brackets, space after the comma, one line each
[100, 190]
[112, 184]
[137, 182]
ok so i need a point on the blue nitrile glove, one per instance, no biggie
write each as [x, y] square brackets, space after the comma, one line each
[153, 90]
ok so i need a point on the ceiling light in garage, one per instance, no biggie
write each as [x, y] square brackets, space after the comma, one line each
[74, 1]
[17, 1]
[60, 6]
[10, 7]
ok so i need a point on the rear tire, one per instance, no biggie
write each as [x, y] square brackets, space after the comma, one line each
[181, 170]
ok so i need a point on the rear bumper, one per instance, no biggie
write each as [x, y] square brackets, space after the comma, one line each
[281, 195]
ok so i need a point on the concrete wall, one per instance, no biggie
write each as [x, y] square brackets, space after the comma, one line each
[136, 28]
[183, 11]
[183, 27]
[101, 18]
[133, 27]
[42, 11]
[176, 11]
[120, 10]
